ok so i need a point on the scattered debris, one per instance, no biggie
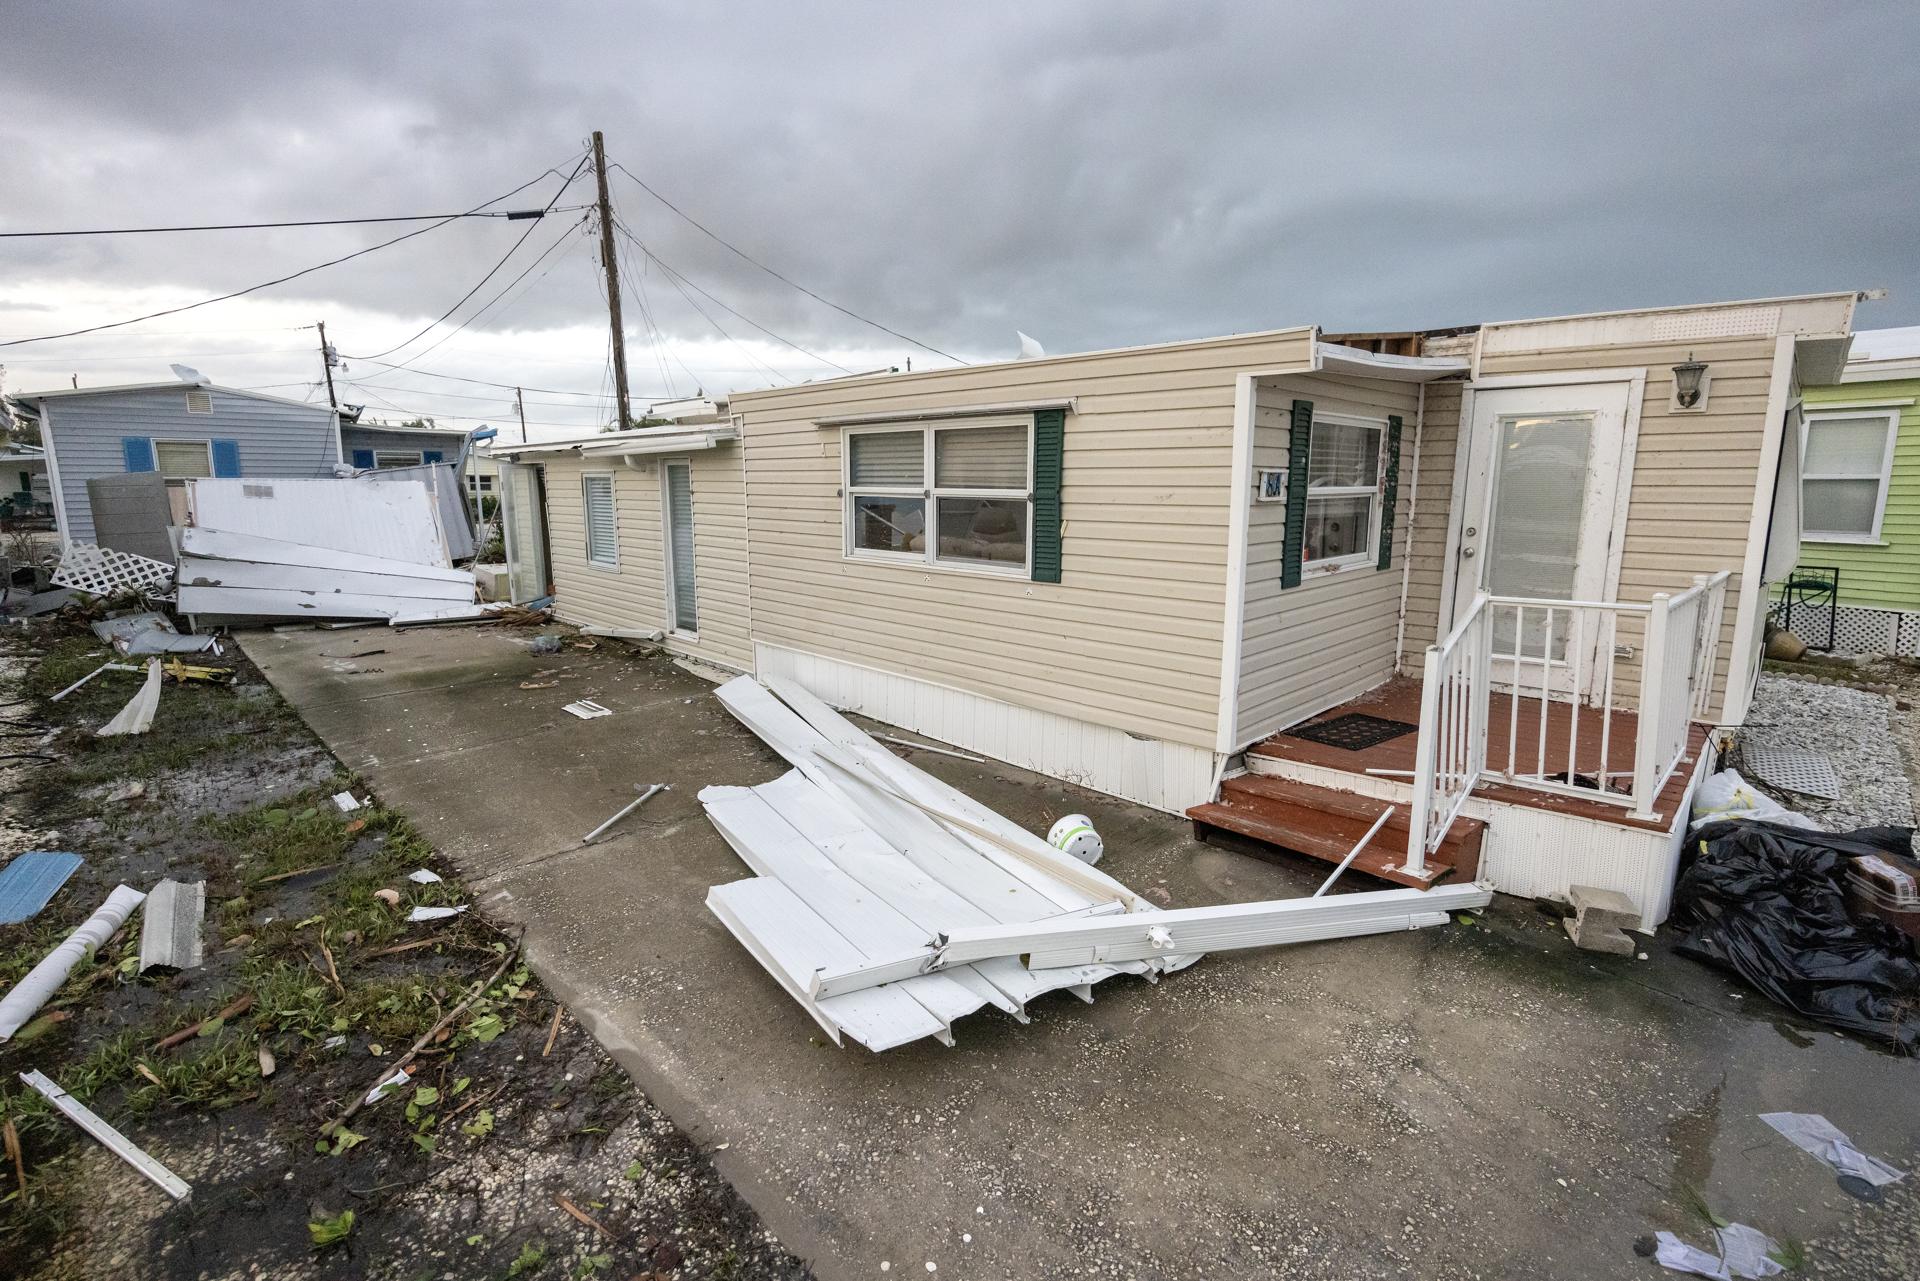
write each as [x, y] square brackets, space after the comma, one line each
[101, 571]
[104, 667]
[178, 670]
[235, 574]
[268, 1065]
[137, 716]
[150, 633]
[238, 1006]
[553, 1033]
[38, 603]
[548, 644]
[30, 881]
[1877, 886]
[390, 897]
[1792, 770]
[435, 913]
[1743, 1254]
[861, 859]
[1817, 1136]
[1769, 903]
[929, 747]
[1600, 920]
[170, 925]
[1726, 795]
[117, 1143]
[383, 1088]
[586, 709]
[539, 684]
[421, 876]
[25, 998]
[1074, 835]
[127, 791]
[625, 810]
[346, 802]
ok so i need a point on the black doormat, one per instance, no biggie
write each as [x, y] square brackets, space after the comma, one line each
[1354, 732]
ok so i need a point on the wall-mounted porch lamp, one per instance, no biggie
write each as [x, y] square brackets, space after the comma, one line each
[1689, 384]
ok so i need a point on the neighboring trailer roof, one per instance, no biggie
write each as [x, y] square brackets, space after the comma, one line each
[620, 444]
[59, 392]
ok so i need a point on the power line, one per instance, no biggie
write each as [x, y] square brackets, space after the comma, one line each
[511, 215]
[513, 249]
[715, 237]
[707, 316]
[546, 391]
[680, 277]
[465, 418]
[268, 284]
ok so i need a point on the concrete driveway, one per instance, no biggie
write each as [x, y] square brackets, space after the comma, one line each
[1456, 1102]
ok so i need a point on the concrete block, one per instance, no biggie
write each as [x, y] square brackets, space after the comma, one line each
[1603, 908]
[1598, 938]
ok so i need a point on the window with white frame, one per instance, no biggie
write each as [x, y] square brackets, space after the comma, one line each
[1845, 459]
[1343, 494]
[603, 537]
[970, 485]
[181, 460]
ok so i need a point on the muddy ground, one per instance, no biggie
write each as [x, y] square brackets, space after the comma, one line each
[517, 1147]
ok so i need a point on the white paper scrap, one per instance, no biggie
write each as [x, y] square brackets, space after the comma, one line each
[422, 877]
[435, 913]
[346, 802]
[385, 1087]
[1817, 1136]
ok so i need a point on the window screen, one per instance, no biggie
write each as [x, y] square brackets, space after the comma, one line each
[1343, 456]
[886, 459]
[603, 543]
[981, 458]
[396, 458]
[178, 459]
[1842, 474]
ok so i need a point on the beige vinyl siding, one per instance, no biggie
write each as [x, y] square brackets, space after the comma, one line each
[1310, 647]
[1693, 477]
[1130, 638]
[633, 594]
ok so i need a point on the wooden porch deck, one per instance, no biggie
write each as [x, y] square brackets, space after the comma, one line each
[1399, 700]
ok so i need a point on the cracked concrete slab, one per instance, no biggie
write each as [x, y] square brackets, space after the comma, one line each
[1457, 1102]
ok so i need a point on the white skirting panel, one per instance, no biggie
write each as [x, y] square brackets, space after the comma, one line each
[1165, 776]
[1534, 853]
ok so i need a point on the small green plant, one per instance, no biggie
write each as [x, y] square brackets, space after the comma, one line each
[480, 1126]
[327, 1233]
[1790, 1254]
[532, 1255]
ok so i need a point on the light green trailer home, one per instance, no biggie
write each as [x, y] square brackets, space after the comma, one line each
[1860, 498]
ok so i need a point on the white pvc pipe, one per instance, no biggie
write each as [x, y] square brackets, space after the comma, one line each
[33, 991]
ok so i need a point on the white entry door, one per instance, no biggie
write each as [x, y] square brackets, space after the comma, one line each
[523, 519]
[1538, 516]
[683, 606]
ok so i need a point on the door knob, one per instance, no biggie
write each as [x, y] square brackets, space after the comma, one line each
[1467, 552]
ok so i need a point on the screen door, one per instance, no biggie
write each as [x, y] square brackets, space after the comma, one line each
[682, 604]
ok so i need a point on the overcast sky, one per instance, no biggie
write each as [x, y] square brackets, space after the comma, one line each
[1096, 174]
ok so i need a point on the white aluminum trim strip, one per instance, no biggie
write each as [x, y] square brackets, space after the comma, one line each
[137, 716]
[197, 572]
[931, 415]
[114, 1141]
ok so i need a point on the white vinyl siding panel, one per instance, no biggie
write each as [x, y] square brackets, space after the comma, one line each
[1309, 647]
[1131, 638]
[633, 596]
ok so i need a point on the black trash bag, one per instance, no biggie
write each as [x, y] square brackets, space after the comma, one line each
[1769, 902]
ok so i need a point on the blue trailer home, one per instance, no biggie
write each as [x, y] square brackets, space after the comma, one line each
[376, 446]
[181, 430]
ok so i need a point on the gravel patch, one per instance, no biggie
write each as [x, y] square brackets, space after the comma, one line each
[1854, 729]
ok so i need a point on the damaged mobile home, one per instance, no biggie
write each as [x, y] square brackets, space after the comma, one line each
[1501, 579]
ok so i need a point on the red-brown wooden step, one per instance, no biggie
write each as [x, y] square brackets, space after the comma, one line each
[1324, 823]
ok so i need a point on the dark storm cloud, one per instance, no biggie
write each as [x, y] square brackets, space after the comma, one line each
[1095, 174]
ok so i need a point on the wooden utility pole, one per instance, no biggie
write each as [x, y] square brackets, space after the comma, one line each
[611, 266]
[326, 365]
[520, 404]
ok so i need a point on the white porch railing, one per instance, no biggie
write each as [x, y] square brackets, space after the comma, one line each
[1561, 669]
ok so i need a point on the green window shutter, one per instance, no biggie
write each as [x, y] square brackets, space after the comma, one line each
[1298, 438]
[1049, 444]
[1389, 491]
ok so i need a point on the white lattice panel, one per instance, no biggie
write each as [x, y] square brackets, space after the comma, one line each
[1859, 630]
[101, 571]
